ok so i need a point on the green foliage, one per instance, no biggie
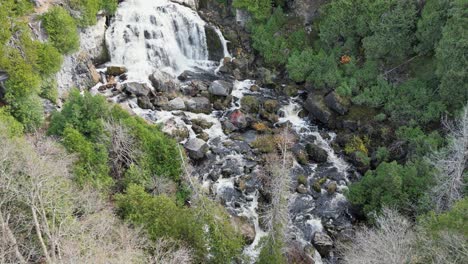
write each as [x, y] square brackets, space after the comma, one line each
[260, 9]
[160, 155]
[413, 100]
[28, 110]
[82, 112]
[357, 144]
[271, 252]
[382, 154]
[394, 185]
[319, 68]
[250, 104]
[9, 125]
[451, 57]
[89, 8]
[161, 217]
[433, 18]
[91, 167]
[418, 143]
[49, 59]
[272, 40]
[392, 24]
[61, 28]
[49, 89]
[454, 220]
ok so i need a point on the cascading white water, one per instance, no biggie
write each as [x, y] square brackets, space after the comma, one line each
[150, 35]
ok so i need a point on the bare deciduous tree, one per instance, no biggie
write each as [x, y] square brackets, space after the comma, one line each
[122, 150]
[391, 242]
[169, 251]
[451, 164]
[278, 183]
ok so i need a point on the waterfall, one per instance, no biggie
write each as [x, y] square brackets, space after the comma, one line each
[150, 35]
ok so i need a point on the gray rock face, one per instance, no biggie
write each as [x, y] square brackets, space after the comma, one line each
[334, 102]
[198, 105]
[323, 243]
[144, 102]
[176, 104]
[220, 88]
[215, 46]
[137, 89]
[316, 153]
[196, 148]
[317, 109]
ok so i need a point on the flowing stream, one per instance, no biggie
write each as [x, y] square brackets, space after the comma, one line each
[158, 35]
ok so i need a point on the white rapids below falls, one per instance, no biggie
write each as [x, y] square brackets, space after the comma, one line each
[158, 35]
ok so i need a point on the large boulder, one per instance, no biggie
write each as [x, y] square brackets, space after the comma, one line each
[317, 109]
[316, 153]
[323, 243]
[238, 119]
[116, 70]
[137, 89]
[220, 88]
[198, 105]
[336, 103]
[176, 104]
[144, 102]
[196, 148]
[245, 228]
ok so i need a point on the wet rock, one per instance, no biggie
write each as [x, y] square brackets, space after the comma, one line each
[331, 187]
[116, 70]
[336, 103]
[179, 131]
[162, 82]
[245, 228]
[323, 243]
[301, 189]
[220, 88]
[137, 89]
[317, 109]
[316, 153]
[198, 105]
[186, 75]
[238, 119]
[254, 88]
[202, 123]
[196, 148]
[266, 77]
[160, 101]
[144, 102]
[176, 104]
[297, 254]
[203, 136]
[215, 46]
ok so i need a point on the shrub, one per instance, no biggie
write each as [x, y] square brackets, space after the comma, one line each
[265, 143]
[49, 89]
[27, 110]
[49, 59]
[89, 8]
[357, 144]
[61, 28]
[250, 104]
[82, 112]
[260, 9]
[394, 185]
[91, 167]
[9, 125]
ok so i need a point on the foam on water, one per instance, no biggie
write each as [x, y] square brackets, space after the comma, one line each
[150, 35]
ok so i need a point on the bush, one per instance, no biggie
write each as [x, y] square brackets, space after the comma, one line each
[9, 125]
[260, 9]
[318, 68]
[161, 217]
[89, 8]
[61, 28]
[27, 110]
[393, 185]
[49, 59]
[250, 104]
[265, 143]
[91, 167]
[357, 144]
[49, 89]
[83, 113]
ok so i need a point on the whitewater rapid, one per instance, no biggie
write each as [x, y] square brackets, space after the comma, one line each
[158, 35]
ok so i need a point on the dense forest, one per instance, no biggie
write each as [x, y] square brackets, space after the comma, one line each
[90, 182]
